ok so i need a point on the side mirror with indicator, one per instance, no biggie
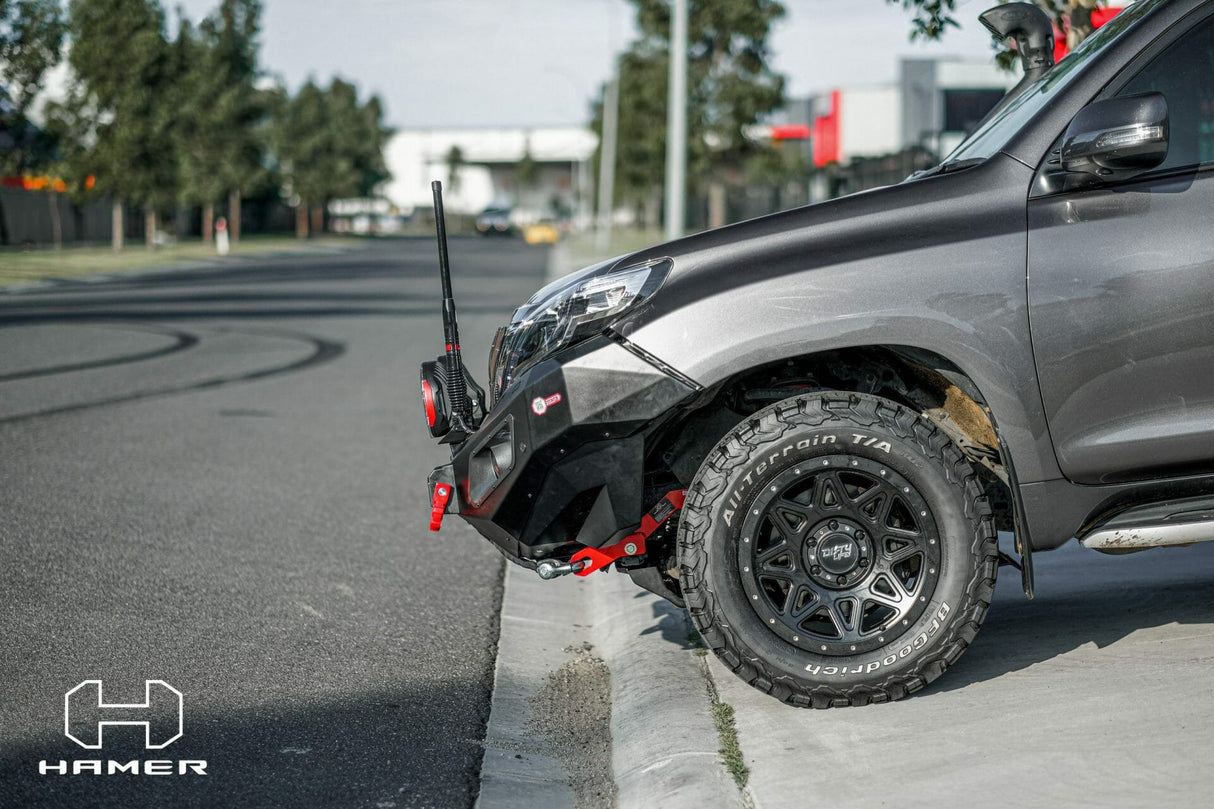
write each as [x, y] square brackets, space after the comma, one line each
[1118, 138]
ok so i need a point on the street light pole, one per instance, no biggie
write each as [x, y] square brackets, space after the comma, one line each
[611, 110]
[676, 124]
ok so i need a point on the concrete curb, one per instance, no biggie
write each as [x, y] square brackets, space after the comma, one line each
[666, 747]
[538, 621]
[664, 742]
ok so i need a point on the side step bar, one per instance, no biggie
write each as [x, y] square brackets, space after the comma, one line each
[1177, 522]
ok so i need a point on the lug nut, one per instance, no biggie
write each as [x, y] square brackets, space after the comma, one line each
[864, 563]
[859, 535]
[815, 570]
[833, 525]
[841, 580]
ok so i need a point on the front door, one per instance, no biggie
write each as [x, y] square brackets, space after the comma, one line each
[1121, 294]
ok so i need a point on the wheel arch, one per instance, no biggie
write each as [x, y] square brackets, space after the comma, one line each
[923, 380]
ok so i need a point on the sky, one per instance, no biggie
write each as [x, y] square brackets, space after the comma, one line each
[497, 63]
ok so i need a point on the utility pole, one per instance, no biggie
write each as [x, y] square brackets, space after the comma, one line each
[611, 113]
[676, 124]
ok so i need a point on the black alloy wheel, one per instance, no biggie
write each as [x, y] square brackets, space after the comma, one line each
[837, 552]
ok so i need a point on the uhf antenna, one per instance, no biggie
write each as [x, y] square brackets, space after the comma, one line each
[457, 385]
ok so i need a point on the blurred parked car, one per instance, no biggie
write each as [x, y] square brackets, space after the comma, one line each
[494, 222]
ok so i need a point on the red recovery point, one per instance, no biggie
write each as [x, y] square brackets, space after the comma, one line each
[594, 559]
[438, 506]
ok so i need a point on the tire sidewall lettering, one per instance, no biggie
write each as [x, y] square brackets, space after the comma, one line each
[919, 640]
[875, 444]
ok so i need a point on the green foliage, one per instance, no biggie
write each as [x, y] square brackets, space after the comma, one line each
[31, 35]
[125, 72]
[1074, 17]
[730, 750]
[71, 126]
[455, 165]
[329, 145]
[528, 169]
[219, 110]
[730, 86]
[641, 124]
[931, 18]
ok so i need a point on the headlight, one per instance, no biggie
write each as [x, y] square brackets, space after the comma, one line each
[566, 311]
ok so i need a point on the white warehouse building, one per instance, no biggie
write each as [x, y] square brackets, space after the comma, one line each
[488, 174]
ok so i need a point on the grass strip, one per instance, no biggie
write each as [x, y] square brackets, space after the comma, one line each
[75, 262]
[731, 751]
[722, 717]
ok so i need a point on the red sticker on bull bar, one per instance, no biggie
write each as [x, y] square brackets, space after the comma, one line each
[540, 404]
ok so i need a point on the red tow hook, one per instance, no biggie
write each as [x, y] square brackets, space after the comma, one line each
[438, 505]
[593, 559]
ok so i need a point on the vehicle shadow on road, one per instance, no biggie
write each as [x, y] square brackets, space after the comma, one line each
[1087, 599]
[386, 749]
[671, 623]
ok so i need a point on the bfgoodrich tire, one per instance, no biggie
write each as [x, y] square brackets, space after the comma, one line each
[837, 549]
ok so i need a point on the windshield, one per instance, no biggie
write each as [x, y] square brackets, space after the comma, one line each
[994, 134]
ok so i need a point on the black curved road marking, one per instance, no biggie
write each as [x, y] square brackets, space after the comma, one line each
[324, 351]
[184, 340]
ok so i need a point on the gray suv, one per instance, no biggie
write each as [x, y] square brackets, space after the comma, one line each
[807, 428]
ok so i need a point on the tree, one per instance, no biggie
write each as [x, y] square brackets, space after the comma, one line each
[31, 34]
[71, 133]
[124, 70]
[528, 169]
[328, 146]
[455, 165]
[358, 139]
[220, 110]
[730, 86]
[933, 17]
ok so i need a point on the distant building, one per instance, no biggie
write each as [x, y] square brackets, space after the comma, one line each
[864, 136]
[539, 172]
[943, 99]
[932, 105]
[859, 137]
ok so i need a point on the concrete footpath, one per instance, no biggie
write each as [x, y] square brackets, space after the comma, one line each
[1096, 693]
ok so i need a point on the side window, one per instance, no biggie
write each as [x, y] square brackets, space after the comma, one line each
[1184, 73]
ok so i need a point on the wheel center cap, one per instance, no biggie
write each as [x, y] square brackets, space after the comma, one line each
[838, 554]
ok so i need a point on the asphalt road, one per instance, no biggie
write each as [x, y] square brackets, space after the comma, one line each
[216, 478]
